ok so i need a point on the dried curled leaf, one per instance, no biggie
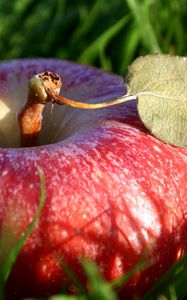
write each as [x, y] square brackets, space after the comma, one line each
[160, 83]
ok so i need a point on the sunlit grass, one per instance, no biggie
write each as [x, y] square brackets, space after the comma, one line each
[108, 34]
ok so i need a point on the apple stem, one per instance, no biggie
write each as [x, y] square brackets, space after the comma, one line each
[30, 123]
[62, 100]
[30, 116]
[43, 88]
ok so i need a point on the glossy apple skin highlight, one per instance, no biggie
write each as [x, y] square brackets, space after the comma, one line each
[115, 193]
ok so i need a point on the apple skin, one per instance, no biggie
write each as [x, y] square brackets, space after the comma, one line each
[115, 194]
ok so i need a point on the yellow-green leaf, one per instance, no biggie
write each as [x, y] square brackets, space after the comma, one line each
[160, 83]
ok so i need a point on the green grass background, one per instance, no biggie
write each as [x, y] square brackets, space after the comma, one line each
[105, 33]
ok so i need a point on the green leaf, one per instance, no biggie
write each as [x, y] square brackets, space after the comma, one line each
[160, 84]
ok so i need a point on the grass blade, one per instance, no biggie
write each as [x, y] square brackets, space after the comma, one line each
[88, 22]
[7, 266]
[100, 289]
[139, 267]
[68, 297]
[101, 42]
[73, 278]
[176, 275]
[144, 26]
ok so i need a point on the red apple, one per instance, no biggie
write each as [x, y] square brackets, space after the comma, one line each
[114, 192]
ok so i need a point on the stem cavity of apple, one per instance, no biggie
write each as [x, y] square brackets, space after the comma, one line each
[45, 87]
